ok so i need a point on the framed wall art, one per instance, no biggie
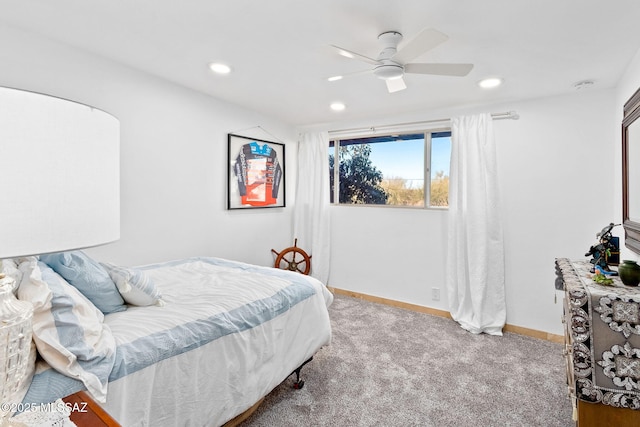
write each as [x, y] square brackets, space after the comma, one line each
[256, 175]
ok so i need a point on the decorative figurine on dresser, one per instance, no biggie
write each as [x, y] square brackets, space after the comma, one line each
[602, 345]
[605, 252]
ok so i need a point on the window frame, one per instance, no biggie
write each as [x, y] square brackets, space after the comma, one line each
[427, 135]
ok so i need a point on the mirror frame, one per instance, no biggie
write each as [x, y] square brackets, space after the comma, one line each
[631, 228]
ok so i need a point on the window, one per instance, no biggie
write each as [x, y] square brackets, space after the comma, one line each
[390, 170]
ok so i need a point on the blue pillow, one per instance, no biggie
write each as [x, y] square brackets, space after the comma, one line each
[89, 277]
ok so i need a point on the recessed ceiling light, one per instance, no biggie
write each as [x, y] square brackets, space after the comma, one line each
[338, 106]
[334, 78]
[219, 68]
[490, 82]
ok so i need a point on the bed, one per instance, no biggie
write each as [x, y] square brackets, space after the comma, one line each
[206, 339]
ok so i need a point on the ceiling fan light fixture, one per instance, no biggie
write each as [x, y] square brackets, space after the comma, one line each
[490, 83]
[219, 68]
[388, 71]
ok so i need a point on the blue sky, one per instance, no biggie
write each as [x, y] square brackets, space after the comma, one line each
[405, 158]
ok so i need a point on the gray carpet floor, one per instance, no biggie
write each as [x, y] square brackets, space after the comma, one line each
[388, 366]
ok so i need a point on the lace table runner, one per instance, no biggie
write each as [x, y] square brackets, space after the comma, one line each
[607, 367]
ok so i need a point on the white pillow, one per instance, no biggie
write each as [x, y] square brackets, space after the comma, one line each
[67, 328]
[135, 286]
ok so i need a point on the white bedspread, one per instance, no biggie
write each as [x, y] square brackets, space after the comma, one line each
[227, 335]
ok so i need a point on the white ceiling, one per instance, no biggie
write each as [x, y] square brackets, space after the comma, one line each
[281, 55]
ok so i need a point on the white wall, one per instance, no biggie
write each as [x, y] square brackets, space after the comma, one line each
[556, 181]
[173, 151]
[555, 171]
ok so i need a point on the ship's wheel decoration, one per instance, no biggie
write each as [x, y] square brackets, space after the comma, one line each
[293, 259]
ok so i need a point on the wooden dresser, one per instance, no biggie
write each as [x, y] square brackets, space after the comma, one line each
[602, 347]
[85, 412]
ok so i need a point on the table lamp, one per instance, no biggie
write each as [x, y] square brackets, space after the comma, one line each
[61, 176]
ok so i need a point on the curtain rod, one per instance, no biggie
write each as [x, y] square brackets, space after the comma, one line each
[496, 116]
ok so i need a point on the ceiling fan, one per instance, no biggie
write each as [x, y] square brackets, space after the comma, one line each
[391, 64]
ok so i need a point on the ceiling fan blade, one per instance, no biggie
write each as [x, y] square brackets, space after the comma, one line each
[459, 70]
[349, 54]
[395, 85]
[423, 42]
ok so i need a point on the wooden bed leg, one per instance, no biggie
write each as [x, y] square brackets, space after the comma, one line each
[298, 384]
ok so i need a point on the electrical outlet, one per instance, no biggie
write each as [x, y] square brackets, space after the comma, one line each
[435, 294]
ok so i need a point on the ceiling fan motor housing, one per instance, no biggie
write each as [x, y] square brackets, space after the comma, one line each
[390, 39]
[389, 69]
[389, 42]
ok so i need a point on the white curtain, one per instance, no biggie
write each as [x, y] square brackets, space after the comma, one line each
[475, 254]
[311, 211]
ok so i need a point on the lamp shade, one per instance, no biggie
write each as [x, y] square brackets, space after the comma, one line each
[60, 174]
